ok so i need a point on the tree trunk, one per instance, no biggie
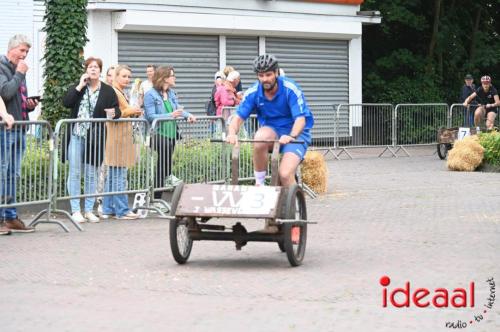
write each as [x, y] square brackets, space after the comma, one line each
[434, 36]
[475, 31]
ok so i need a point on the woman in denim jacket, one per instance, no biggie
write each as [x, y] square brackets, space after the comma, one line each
[161, 102]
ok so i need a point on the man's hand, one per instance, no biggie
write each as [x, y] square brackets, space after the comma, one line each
[9, 120]
[232, 139]
[22, 67]
[465, 103]
[31, 104]
[191, 119]
[285, 139]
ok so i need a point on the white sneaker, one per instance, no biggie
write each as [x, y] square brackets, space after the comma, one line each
[91, 217]
[77, 217]
[129, 216]
[105, 216]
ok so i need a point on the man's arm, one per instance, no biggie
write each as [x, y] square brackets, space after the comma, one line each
[497, 102]
[234, 128]
[9, 89]
[298, 127]
[468, 99]
[9, 119]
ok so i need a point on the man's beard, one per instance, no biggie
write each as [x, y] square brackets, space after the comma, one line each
[269, 86]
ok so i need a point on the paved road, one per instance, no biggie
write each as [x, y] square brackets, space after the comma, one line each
[407, 218]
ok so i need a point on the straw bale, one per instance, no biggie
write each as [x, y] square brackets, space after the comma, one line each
[466, 154]
[315, 172]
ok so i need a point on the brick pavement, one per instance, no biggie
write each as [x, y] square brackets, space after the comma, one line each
[407, 218]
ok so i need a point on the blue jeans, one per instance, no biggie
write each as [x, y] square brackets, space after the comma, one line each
[115, 181]
[76, 161]
[12, 146]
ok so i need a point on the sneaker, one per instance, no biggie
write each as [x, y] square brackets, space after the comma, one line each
[18, 226]
[105, 216]
[77, 217]
[129, 216]
[91, 217]
[4, 230]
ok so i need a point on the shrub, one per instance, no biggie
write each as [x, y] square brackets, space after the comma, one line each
[199, 160]
[491, 144]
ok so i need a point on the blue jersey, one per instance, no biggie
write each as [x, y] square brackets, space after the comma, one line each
[280, 112]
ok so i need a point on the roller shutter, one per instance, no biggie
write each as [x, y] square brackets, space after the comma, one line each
[240, 53]
[194, 57]
[321, 68]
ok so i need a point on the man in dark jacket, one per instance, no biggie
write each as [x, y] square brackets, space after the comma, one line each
[13, 91]
[467, 90]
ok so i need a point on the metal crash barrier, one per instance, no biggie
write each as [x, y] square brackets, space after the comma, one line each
[26, 161]
[182, 151]
[111, 155]
[417, 124]
[86, 161]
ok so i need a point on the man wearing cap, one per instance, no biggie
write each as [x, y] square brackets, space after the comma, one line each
[467, 90]
[487, 96]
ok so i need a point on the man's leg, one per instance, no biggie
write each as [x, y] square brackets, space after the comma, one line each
[288, 167]
[260, 151]
[478, 116]
[490, 119]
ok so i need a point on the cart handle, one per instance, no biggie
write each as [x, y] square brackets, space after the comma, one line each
[218, 140]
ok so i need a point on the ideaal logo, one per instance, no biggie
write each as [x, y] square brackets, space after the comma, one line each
[460, 297]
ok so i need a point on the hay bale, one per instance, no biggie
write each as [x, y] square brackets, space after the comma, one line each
[314, 172]
[466, 154]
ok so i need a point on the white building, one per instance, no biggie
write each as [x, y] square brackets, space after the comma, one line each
[318, 42]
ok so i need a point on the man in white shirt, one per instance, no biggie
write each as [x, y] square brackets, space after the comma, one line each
[148, 84]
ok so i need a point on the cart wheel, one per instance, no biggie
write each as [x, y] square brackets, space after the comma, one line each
[281, 245]
[180, 242]
[295, 233]
[442, 150]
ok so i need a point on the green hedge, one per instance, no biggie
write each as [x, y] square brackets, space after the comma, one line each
[491, 144]
[194, 161]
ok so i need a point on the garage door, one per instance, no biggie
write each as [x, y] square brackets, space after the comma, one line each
[240, 53]
[321, 68]
[194, 57]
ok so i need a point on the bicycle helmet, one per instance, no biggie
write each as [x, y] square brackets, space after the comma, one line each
[486, 79]
[265, 62]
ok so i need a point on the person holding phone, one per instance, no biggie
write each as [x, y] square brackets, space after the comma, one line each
[13, 91]
[89, 98]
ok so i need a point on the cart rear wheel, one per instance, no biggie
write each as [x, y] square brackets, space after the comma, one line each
[180, 242]
[295, 233]
[442, 150]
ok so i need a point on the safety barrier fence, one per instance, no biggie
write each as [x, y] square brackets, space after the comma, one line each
[25, 165]
[85, 160]
[461, 116]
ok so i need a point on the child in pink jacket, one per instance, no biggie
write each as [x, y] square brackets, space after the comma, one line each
[226, 95]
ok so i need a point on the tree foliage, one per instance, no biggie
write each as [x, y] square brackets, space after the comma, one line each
[66, 26]
[422, 49]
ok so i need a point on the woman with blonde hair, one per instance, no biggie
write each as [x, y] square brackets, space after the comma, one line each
[161, 102]
[120, 151]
